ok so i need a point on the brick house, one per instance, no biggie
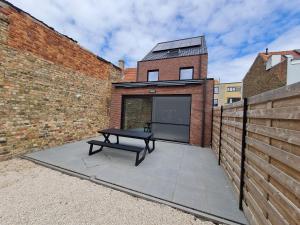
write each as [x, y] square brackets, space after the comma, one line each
[129, 75]
[271, 70]
[171, 94]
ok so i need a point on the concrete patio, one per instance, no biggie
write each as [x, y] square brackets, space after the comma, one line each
[184, 176]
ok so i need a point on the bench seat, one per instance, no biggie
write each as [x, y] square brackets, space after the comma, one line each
[129, 148]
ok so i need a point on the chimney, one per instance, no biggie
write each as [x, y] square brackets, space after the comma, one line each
[267, 51]
[122, 64]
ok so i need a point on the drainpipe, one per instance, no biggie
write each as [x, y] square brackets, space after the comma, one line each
[203, 113]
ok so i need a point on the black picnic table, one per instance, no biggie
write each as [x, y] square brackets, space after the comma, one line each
[147, 137]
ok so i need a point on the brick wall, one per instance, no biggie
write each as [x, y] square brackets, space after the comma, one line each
[46, 98]
[169, 68]
[197, 107]
[28, 34]
[259, 80]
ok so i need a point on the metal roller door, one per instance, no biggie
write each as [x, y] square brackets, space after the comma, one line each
[171, 117]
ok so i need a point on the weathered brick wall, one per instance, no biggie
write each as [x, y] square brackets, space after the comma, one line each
[169, 68]
[197, 93]
[45, 101]
[259, 80]
[26, 33]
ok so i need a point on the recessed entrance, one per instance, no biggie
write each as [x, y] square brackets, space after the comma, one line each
[167, 116]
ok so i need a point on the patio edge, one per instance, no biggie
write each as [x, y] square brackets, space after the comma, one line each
[199, 214]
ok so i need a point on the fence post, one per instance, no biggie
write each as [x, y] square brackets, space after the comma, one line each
[244, 133]
[220, 135]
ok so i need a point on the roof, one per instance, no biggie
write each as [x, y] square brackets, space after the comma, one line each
[129, 74]
[178, 48]
[237, 82]
[294, 53]
[166, 83]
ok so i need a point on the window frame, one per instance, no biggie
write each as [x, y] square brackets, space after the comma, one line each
[233, 89]
[218, 90]
[215, 99]
[188, 67]
[233, 101]
[149, 71]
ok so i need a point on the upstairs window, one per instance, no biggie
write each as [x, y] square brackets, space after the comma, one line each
[216, 90]
[186, 73]
[233, 89]
[216, 102]
[153, 75]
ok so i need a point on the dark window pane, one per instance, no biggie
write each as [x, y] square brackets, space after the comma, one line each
[232, 100]
[175, 110]
[186, 74]
[171, 132]
[136, 113]
[215, 102]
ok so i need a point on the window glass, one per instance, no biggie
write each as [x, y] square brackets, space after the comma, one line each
[232, 100]
[153, 75]
[186, 73]
[216, 90]
[215, 102]
[233, 89]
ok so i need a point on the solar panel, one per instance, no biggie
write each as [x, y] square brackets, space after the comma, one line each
[178, 44]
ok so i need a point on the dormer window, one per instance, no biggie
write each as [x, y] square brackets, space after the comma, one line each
[153, 75]
[173, 52]
[273, 60]
[186, 73]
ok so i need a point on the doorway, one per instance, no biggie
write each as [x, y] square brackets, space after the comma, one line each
[168, 116]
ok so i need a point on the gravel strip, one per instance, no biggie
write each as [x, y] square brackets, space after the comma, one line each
[32, 194]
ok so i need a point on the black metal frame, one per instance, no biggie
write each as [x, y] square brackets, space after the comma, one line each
[186, 67]
[154, 70]
[123, 105]
[138, 160]
[220, 136]
[243, 157]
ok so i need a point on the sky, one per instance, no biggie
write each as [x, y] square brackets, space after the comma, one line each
[236, 31]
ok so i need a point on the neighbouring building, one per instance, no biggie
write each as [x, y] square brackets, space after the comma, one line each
[272, 70]
[226, 93]
[171, 94]
[128, 74]
[52, 90]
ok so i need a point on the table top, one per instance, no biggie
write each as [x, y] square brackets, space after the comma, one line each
[127, 133]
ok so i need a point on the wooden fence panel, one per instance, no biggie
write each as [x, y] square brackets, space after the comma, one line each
[271, 183]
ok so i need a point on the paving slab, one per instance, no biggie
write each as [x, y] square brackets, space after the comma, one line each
[178, 173]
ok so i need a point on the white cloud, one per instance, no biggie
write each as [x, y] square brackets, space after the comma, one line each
[289, 40]
[235, 30]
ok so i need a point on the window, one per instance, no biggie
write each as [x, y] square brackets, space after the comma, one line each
[153, 75]
[216, 90]
[233, 89]
[232, 100]
[186, 73]
[215, 102]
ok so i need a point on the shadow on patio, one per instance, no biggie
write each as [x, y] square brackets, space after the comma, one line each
[183, 176]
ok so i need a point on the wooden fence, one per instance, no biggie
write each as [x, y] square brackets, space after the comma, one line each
[257, 141]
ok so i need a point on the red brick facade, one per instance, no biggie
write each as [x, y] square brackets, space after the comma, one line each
[169, 68]
[259, 80]
[197, 113]
[28, 34]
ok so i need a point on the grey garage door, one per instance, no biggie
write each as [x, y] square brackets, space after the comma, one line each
[171, 117]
